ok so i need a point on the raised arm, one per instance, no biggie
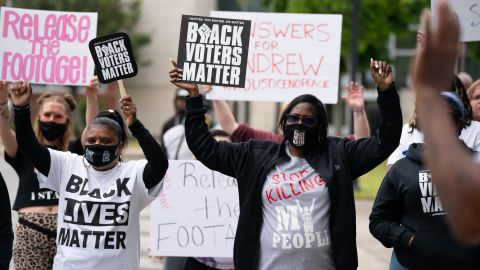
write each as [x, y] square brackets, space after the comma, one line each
[6, 133]
[157, 159]
[242, 132]
[221, 156]
[456, 175]
[27, 142]
[355, 100]
[223, 113]
[91, 94]
[363, 155]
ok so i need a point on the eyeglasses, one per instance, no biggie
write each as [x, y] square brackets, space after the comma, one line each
[307, 121]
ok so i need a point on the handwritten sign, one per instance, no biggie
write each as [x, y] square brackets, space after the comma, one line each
[289, 55]
[213, 50]
[468, 16]
[47, 47]
[113, 57]
[196, 213]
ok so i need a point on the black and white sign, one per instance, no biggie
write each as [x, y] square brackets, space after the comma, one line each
[214, 51]
[113, 57]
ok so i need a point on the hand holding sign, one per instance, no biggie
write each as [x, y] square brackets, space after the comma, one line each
[21, 93]
[213, 50]
[129, 109]
[4, 113]
[113, 59]
[3, 92]
[176, 79]
[92, 88]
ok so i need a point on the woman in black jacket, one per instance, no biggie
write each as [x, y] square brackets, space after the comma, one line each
[409, 216]
[296, 199]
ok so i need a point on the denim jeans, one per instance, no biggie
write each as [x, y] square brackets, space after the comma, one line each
[394, 264]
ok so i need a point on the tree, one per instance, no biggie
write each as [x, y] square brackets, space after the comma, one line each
[377, 20]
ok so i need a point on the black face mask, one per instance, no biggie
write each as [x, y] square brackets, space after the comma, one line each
[51, 130]
[300, 136]
[99, 155]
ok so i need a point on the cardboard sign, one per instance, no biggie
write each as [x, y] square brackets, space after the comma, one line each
[289, 55]
[213, 50]
[113, 57]
[46, 47]
[468, 16]
[196, 213]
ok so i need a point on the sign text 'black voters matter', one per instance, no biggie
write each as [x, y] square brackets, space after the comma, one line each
[113, 57]
[214, 51]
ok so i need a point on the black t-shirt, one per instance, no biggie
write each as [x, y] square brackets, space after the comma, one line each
[29, 192]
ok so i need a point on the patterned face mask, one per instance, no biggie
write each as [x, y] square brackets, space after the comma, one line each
[300, 136]
[99, 155]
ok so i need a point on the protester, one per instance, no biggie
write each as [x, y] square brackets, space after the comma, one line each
[179, 106]
[456, 174]
[408, 216]
[318, 196]
[100, 196]
[474, 97]
[212, 263]
[413, 132]
[465, 78]
[6, 233]
[243, 132]
[37, 207]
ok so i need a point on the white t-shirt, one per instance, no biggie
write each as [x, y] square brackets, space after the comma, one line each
[296, 212]
[98, 217]
[176, 144]
[470, 135]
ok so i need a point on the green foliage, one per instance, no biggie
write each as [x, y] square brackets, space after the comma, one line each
[377, 20]
[113, 16]
[370, 182]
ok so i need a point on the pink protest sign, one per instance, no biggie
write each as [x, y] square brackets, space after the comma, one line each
[46, 47]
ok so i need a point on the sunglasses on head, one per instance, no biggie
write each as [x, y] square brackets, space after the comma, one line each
[306, 121]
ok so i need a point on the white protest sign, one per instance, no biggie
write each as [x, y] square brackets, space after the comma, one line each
[46, 47]
[289, 55]
[196, 213]
[468, 16]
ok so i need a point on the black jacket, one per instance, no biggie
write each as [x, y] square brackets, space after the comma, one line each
[339, 161]
[406, 206]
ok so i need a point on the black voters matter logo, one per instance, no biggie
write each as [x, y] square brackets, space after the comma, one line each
[113, 57]
[214, 51]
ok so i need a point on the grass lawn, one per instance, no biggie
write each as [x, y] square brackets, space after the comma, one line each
[370, 182]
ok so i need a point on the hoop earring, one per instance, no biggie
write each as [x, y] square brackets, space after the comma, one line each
[86, 164]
